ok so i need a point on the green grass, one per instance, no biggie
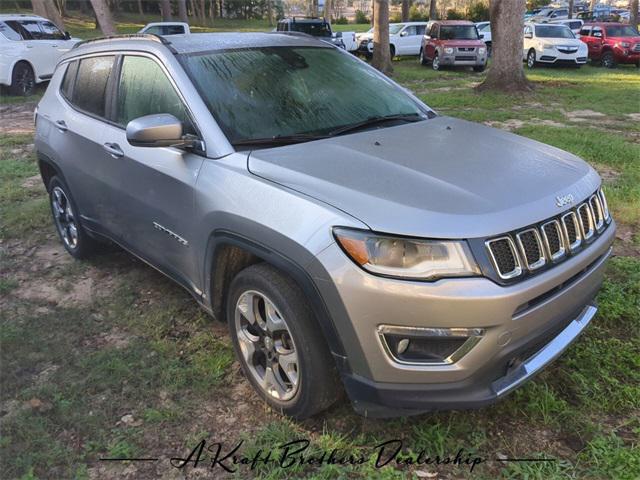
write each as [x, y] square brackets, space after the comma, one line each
[141, 347]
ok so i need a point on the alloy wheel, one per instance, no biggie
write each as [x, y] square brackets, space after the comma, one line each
[531, 60]
[267, 346]
[64, 217]
[25, 81]
[436, 62]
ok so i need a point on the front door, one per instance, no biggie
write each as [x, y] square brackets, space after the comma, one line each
[153, 188]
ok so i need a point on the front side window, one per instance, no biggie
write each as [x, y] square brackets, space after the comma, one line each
[485, 28]
[10, 33]
[90, 88]
[33, 27]
[621, 31]
[458, 32]
[144, 89]
[410, 31]
[548, 31]
[51, 32]
[395, 28]
[69, 80]
[585, 31]
[259, 93]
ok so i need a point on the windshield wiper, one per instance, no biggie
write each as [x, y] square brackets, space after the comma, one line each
[373, 121]
[279, 140]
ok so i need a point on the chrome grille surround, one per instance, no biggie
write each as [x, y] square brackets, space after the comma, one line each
[596, 210]
[539, 259]
[517, 270]
[553, 252]
[571, 219]
[585, 215]
[525, 251]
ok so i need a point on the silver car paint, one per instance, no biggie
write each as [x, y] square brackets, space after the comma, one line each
[437, 178]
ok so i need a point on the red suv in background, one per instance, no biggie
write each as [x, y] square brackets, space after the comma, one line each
[612, 43]
[453, 42]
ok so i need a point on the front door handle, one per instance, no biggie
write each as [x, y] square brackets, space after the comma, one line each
[114, 149]
[61, 125]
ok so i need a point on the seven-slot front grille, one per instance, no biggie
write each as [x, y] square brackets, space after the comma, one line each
[532, 248]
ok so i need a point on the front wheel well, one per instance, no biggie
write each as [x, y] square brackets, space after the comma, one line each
[229, 260]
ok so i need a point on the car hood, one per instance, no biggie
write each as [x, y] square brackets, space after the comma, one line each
[441, 178]
[573, 42]
[630, 40]
[364, 36]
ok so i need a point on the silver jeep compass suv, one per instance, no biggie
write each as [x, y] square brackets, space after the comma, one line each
[351, 238]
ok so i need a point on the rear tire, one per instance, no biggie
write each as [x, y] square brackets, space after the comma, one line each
[608, 60]
[277, 342]
[23, 80]
[392, 51]
[66, 219]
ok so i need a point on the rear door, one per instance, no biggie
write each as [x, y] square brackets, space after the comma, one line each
[152, 188]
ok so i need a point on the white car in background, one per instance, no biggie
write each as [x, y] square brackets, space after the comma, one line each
[404, 39]
[484, 30]
[574, 24]
[166, 28]
[30, 47]
[552, 44]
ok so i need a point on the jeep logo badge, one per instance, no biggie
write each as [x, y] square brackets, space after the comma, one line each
[563, 200]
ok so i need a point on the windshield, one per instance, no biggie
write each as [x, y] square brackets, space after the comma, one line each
[622, 31]
[317, 29]
[271, 92]
[395, 28]
[458, 32]
[547, 31]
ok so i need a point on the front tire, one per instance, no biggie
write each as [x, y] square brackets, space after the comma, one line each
[23, 80]
[435, 63]
[392, 51]
[608, 60]
[531, 59]
[479, 68]
[277, 341]
[66, 219]
[422, 59]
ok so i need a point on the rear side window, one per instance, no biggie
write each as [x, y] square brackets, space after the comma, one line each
[144, 89]
[10, 33]
[585, 31]
[91, 84]
[69, 80]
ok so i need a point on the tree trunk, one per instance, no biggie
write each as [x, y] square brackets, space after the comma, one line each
[507, 23]
[314, 8]
[140, 9]
[103, 17]
[570, 9]
[39, 8]
[53, 14]
[165, 10]
[270, 12]
[381, 53]
[328, 10]
[633, 18]
[203, 11]
[182, 11]
[433, 10]
[405, 10]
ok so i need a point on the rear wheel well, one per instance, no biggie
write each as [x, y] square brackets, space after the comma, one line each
[229, 260]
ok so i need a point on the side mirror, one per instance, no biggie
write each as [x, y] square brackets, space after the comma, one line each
[404, 34]
[597, 34]
[528, 35]
[67, 36]
[160, 130]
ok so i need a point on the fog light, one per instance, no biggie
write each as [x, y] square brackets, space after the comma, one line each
[427, 346]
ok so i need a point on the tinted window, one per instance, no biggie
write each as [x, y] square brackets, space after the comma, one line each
[9, 32]
[317, 29]
[51, 32]
[585, 31]
[410, 31]
[166, 30]
[548, 31]
[33, 28]
[91, 84]
[458, 32]
[421, 29]
[144, 89]
[574, 25]
[69, 79]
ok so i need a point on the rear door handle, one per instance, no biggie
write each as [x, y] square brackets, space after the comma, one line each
[61, 125]
[114, 149]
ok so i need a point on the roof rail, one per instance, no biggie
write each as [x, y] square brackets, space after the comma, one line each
[131, 36]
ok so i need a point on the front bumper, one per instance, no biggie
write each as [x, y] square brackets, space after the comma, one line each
[555, 56]
[514, 318]
[459, 59]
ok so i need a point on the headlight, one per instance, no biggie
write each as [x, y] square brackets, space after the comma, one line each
[407, 257]
[625, 44]
[481, 50]
[547, 46]
[448, 50]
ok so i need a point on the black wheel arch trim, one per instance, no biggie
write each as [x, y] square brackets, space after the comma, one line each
[222, 237]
